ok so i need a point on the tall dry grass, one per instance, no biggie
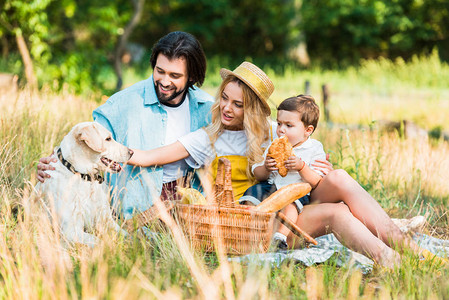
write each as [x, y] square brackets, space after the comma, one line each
[379, 89]
[35, 265]
[407, 176]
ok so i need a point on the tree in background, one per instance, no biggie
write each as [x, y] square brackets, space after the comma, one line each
[121, 44]
[72, 43]
[344, 31]
[231, 29]
[85, 37]
[27, 22]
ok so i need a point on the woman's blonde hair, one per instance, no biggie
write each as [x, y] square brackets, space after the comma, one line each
[255, 122]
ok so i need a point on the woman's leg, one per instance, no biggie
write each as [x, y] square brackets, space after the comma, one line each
[339, 186]
[320, 219]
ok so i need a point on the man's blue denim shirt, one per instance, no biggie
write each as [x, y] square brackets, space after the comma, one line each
[136, 119]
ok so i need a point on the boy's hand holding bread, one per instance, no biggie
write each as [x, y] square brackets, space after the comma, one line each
[294, 163]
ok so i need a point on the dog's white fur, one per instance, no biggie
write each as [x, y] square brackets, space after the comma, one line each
[78, 204]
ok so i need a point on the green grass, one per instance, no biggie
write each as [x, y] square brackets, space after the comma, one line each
[406, 176]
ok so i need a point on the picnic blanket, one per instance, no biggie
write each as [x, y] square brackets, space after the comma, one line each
[328, 246]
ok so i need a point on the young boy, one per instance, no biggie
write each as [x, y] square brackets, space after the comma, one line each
[297, 119]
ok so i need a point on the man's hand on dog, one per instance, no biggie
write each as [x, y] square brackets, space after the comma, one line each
[44, 165]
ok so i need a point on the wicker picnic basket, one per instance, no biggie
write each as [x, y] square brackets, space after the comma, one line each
[240, 228]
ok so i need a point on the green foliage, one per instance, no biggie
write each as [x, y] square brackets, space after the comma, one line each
[28, 18]
[239, 28]
[72, 43]
[436, 132]
[342, 32]
[85, 34]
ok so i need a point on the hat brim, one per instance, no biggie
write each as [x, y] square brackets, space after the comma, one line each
[225, 73]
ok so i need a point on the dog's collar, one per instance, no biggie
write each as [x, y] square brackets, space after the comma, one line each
[72, 169]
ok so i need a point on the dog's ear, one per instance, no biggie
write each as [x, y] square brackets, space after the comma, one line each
[92, 138]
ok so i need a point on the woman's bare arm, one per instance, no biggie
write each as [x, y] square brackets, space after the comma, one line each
[310, 176]
[159, 156]
[307, 174]
[324, 166]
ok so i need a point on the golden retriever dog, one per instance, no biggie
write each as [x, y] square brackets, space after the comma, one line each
[75, 194]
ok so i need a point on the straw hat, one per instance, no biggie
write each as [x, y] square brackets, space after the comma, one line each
[256, 79]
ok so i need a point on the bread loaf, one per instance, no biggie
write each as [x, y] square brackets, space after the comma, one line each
[283, 197]
[191, 196]
[280, 150]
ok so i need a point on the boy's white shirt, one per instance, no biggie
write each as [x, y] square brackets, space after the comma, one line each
[309, 151]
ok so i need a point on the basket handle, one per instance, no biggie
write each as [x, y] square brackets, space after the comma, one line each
[295, 228]
[223, 184]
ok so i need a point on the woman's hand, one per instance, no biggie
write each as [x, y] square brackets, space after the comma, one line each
[270, 164]
[324, 166]
[44, 165]
[294, 163]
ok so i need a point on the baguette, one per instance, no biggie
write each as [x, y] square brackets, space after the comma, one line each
[283, 197]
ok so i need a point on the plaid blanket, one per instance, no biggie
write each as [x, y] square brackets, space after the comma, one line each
[328, 246]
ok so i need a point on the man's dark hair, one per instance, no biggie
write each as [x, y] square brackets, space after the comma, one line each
[182, 44]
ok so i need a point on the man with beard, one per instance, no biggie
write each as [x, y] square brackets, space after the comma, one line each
[152, 113]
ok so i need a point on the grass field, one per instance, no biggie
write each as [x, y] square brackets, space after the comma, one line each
[407, 176]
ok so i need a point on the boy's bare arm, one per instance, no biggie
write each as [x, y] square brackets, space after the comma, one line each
[307, 174]
[263, 172]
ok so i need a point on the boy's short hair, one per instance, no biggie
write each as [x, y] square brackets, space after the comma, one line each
[306, 106]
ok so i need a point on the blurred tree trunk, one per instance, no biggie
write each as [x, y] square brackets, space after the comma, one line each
[27, 62]
[138, 8]
[299, 52]
[5, 46]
